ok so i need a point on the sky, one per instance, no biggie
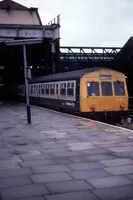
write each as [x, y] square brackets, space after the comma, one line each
[102, 23]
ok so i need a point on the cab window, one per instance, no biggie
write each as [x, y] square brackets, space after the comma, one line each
[106, 88]
[93, 88]
[119, 88]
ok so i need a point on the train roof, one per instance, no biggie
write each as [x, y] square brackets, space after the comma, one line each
[66, 75]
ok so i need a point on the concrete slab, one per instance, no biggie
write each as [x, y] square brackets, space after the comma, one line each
[69, 186]
[108, 182]
[64, 157]
[73, 195]
[117, 162]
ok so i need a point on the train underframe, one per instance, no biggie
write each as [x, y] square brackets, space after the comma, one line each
[111, 117]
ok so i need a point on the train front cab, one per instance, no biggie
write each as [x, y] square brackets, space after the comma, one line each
[104, 94]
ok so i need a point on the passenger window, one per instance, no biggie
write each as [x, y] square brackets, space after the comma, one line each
[106, 88]
[31, 89]
[52, 89]
[47, 89]
[62, 89]
[42, 89]
[93, 88]
[56, 88]
[39, 89]
[68, 85]
[70, 91]
[119, 88]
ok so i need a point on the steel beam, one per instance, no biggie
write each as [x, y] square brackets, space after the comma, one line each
[89, 53]
[29, 32]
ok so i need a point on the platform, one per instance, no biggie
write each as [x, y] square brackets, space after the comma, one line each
[62, 157]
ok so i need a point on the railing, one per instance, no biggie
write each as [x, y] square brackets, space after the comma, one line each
[55, 21]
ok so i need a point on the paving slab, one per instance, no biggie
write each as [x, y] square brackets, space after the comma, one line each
[97, 151]
[51, 177]
[117, 193]
[35, 157]
[100, 157]
[120, 170]
[110, 181]
[62, 157]
[71, 196]
[121, 149]
[50, 169]
[23, 191]
[14, 181]
[85, 166]
[33, 163]
[33, 198]
[130, 176]
[85, 174]
[15, 172]
[117, 162]
[69, 186]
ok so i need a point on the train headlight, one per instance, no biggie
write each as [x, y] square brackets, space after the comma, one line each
[122, 106]
[92, 107]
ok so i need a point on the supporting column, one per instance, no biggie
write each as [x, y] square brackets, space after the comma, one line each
[26, 85]
[55, 56]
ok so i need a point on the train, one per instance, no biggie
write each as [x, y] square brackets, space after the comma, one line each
[99, 93]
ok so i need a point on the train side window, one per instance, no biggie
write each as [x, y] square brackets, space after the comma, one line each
[70, 91]
[52, 89]
[39, 89]
[72, 85]
[119, 88]
[31, 89]
[63, 89]
[106, 88]
[36, 89]
[47, 89]
[68, 85]
[42, 89]
[93, 88]
[57, 89]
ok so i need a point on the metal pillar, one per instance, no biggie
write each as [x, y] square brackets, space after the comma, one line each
[55, 55]
[24, 43]
[53, 58]
[26, 86]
